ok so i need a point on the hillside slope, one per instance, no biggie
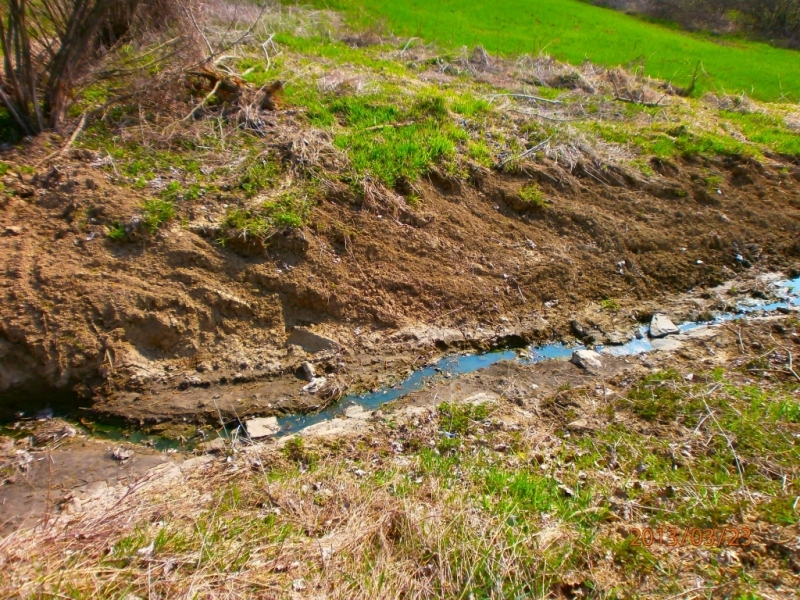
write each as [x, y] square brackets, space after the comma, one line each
[575, 31]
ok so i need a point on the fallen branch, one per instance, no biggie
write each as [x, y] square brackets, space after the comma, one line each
[202, 102]
[527, 152]
[541, 116]
[528, 97]
[641, 102]
[385, 125]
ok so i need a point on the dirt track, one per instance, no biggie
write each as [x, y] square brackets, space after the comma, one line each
[137, 323]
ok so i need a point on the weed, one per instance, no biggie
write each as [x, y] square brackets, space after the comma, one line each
[609, 304]
[713, 182]
[260, 174]
[156, 212]
[290, 209]
[459, 418]
[480, 153]
[533, 196]
[294, 450]
[117, 232]
[657, 397]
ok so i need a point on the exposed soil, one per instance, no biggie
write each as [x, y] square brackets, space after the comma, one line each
[163, 328]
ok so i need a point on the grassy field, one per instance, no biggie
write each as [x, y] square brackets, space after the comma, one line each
[572, 31]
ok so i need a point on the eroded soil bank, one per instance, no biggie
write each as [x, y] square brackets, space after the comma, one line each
[179, 327]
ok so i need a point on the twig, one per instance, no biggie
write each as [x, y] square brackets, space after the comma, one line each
[385, 125]
[791, 369]
[641, 102]
[730, 445]
[202, 103]
[528, 97]
[541, 116]
[527, 152]
[72, 138]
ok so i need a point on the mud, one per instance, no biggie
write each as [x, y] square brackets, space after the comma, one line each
[53, 478]
[178, 327]
[46, 477]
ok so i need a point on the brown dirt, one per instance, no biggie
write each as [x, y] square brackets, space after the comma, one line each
[156, 329]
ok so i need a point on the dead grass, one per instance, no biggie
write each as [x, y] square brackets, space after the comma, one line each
[464, 501]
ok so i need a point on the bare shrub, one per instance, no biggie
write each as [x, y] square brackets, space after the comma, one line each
[49, 45]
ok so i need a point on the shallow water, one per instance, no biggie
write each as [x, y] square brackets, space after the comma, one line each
[460, 364]
[447, 367]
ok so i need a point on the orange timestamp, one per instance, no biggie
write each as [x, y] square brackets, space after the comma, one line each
[694, 536]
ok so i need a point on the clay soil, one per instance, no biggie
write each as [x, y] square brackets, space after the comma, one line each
[177, 326]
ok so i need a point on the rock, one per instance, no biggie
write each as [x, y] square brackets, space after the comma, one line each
[316, 385]
[481, 398]
[308, 369]
[121, 454]
[703, 332]
[311, 342]
[661, 326]
[667, 345]
[263, 427]
[587, 359]
[13, 230]
[357, 412]
[617, 338]
[215, 446]
[580, 425]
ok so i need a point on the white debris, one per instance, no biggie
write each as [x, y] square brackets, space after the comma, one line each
[263, 427]
[315, 385]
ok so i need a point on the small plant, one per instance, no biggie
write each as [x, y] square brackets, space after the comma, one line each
[117, 232]
[610, 305]
[295, 451]
[713, 182]
[156, 212]
[289, 210]
[657, 397]
[458, 418]
[533, 195]
[259, 176]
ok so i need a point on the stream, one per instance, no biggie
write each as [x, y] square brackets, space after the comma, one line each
[447, 367]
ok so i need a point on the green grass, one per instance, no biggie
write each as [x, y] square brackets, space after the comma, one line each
[157, 212]
[667, 141]
[534, 196]
[289, 210]
[767, 130]
[116, 232]
[574, 31]
[390, 134]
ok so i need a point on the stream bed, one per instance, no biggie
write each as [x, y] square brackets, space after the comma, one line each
[450, 366]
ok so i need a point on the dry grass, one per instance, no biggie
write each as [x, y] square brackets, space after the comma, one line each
[463, 501]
